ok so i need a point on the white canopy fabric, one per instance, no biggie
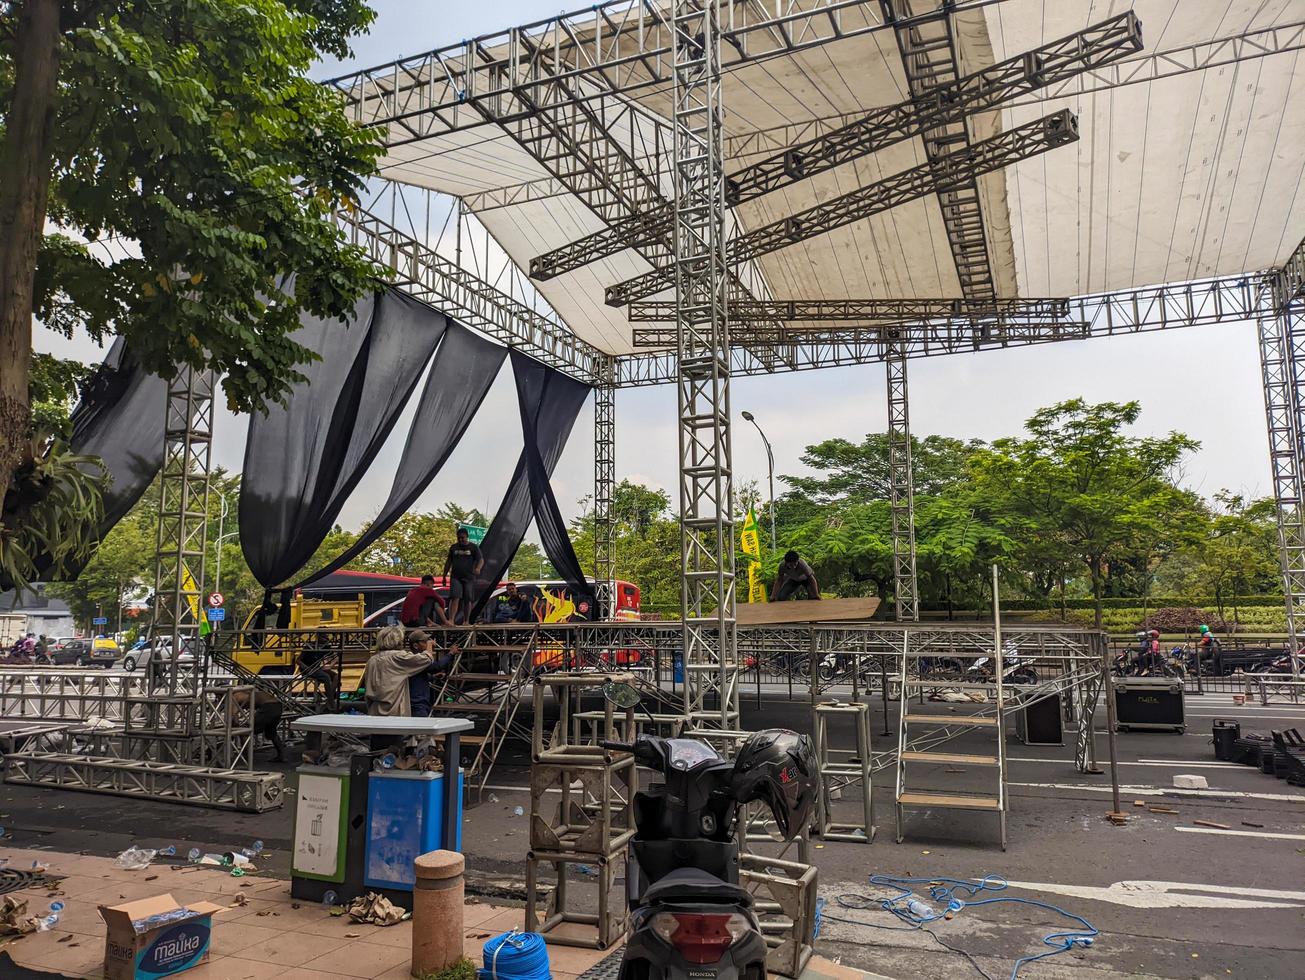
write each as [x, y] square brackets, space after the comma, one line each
[1185, 176]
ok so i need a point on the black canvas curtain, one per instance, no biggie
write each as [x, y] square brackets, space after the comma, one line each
[303, 460]
[549, 402]
[464, 368]
[120, 419]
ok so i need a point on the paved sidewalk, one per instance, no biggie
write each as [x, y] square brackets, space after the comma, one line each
[271, 935]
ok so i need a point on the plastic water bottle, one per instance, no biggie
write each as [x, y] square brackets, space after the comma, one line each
[328, 899]
[169, 851]
[194, 854]
[920, 910]
[56, 907]
[388, 760]
[51, 920]
[258, 847]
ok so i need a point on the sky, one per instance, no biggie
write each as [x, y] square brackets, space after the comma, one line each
[1204, 381]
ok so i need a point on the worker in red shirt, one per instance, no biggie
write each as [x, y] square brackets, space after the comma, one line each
[423, 606]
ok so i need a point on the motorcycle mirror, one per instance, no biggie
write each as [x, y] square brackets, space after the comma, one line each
[620, 694]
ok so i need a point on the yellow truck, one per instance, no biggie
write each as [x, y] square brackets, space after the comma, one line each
[275, 652]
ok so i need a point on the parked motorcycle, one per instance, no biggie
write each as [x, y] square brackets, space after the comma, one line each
[690, 918]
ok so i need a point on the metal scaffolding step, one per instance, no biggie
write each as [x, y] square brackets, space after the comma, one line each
[984, 721]
[950, 801]
[952, 758]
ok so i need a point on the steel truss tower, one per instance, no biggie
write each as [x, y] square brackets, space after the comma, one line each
[183, 513]
[901, 487]
[604, 487]
[1282, 362]
[703, 372]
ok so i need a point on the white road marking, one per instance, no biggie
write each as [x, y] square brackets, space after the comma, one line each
[1152, 763]
[1173, 895]
[1165, 791]
[1240, 833]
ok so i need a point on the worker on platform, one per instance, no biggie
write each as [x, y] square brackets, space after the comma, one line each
[461, 568]
[511, 606]
[794, 574]
[423, 684]
[423, 606]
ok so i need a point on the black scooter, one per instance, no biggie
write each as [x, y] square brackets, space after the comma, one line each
[690, 918]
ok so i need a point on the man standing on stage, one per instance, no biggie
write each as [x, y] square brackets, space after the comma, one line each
[461, 568]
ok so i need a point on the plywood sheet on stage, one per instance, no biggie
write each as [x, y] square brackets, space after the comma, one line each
[804, 611]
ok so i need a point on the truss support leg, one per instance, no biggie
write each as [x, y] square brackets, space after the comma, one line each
[604, 488]
[1282, 364]
[703, 372]
[901, 490]
[183, 517]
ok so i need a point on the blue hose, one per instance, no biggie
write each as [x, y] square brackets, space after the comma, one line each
[516, 955]
[944, 891]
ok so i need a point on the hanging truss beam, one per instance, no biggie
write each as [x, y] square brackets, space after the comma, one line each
[950, 171]
[958, 334]
[834, 310]
[420, 271]
[1228, 299]
[1169, 63]
[613, 47]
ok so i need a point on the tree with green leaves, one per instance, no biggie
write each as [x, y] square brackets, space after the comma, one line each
[859, 471]
[185, 164]
[1239, 553]
[1080, 479]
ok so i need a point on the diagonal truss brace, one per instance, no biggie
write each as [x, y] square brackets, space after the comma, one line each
[952, 170]
[883, 127]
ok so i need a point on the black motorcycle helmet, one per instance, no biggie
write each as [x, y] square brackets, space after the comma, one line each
[778, 767]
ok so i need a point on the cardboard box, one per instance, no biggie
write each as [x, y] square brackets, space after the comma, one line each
[155, 937]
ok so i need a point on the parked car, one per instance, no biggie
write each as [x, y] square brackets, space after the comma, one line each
[140, 655]
[70, 651]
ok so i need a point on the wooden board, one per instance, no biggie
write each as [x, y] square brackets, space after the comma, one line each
[804, 611]
[948, 801]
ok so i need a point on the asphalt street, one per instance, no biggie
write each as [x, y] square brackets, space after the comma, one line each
[1170, 898]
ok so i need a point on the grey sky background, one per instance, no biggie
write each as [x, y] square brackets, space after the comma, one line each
[1204, 381]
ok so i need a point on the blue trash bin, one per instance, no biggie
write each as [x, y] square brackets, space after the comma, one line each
[405, 818]
[677, 667]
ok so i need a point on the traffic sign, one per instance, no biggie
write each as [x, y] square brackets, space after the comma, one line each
[475, 534]
[217, 615]
[100, 621]
[216, 599]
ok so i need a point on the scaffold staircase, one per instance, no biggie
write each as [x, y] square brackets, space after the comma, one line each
[922, 775]
[490, 698]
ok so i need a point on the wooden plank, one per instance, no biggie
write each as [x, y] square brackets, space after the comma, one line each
[950, 802]
[959, 758]
[972, 720]
[805, 611]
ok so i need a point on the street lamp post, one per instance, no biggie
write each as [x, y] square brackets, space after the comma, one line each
[770, 466]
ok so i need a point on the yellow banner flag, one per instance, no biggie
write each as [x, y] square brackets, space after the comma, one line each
[191, 589]
[756, 587]
[749, 540]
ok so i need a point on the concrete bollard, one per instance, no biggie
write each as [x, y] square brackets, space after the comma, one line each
[437, 911]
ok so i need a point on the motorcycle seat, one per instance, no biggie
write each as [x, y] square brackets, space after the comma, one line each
[694, 885]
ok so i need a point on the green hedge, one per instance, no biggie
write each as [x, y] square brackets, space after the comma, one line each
[1154, 602]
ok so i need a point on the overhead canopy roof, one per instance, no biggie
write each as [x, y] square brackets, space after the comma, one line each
[1178, 173]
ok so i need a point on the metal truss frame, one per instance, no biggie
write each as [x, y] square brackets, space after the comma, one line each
[703, 371]
[1208, 301]
[604, 490]
[1167, 63]
[953, 170]
[973, 334]
[901, 490]
[183, 512]
[878, 310]
[936, 110]
[610, 47]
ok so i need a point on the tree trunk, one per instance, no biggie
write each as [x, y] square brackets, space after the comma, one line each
[1094, 565]
[24, 189]
[1064, 612]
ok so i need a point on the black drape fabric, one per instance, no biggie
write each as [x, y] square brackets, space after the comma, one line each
[549, 402]
[303, 459]
[120, 419]
[465, 366]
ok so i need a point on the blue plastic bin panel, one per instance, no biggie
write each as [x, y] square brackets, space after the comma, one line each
[405, 818]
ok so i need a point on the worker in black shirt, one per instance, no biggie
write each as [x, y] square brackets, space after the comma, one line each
[511, 606]
[793, 575]
[461, 568]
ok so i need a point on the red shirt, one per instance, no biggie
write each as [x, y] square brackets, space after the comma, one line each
[415, 599]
